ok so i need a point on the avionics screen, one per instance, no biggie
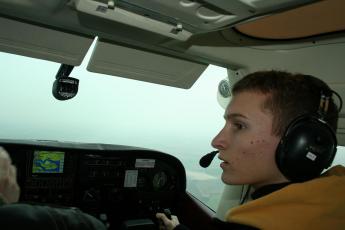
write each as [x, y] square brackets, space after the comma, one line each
[48, 162]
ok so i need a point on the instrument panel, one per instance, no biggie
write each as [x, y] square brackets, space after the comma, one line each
[113, 183]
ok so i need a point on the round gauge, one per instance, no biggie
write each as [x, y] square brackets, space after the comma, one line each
[224, 88]
[160, 179]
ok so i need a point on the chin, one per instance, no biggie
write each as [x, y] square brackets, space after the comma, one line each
[232, 180]
[228, 180]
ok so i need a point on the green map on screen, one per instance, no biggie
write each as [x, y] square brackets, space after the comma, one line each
[48, 162]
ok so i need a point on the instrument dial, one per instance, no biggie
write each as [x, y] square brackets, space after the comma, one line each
[159, 181]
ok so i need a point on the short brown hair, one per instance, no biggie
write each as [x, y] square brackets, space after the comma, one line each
[289, 96]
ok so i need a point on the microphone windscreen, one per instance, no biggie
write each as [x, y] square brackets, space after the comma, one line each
[206, 160]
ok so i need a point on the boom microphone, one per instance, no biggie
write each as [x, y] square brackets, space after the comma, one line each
[206, 160]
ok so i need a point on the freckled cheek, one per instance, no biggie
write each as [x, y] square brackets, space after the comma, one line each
[255, 147]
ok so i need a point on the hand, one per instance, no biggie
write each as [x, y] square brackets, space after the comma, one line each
[165, 223]
[9, 188]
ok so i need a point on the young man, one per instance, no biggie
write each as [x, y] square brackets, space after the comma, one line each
[275, 140]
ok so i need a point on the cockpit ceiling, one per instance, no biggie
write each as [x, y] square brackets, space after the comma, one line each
[176, 19]
[310, 20]
[33, 27]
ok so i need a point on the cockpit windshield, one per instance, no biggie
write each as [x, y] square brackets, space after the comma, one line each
[114, 110]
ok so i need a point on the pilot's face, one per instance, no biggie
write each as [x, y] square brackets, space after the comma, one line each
[246, 143]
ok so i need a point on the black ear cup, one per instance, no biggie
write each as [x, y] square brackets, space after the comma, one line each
[307, 147]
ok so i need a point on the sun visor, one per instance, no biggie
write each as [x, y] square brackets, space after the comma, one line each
[42, 43]
[121, 61]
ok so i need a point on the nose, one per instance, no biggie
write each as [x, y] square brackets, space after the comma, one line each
[219, 141]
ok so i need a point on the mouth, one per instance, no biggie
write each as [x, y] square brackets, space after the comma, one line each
[224, 163]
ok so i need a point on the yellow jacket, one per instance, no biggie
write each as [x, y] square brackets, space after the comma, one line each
[313, 205]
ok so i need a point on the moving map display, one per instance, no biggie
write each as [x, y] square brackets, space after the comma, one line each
[48, 162]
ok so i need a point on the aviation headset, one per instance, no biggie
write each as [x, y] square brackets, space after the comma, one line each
[308, 144]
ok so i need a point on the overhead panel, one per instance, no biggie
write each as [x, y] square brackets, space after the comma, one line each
[127, 62]
[180, 19]
[44, 43]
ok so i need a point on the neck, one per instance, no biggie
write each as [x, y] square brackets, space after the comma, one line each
[262, 184]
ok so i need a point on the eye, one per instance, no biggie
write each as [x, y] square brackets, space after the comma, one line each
[238, 126]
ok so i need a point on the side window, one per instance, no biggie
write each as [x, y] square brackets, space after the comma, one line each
[204, 183]
[340, 156]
